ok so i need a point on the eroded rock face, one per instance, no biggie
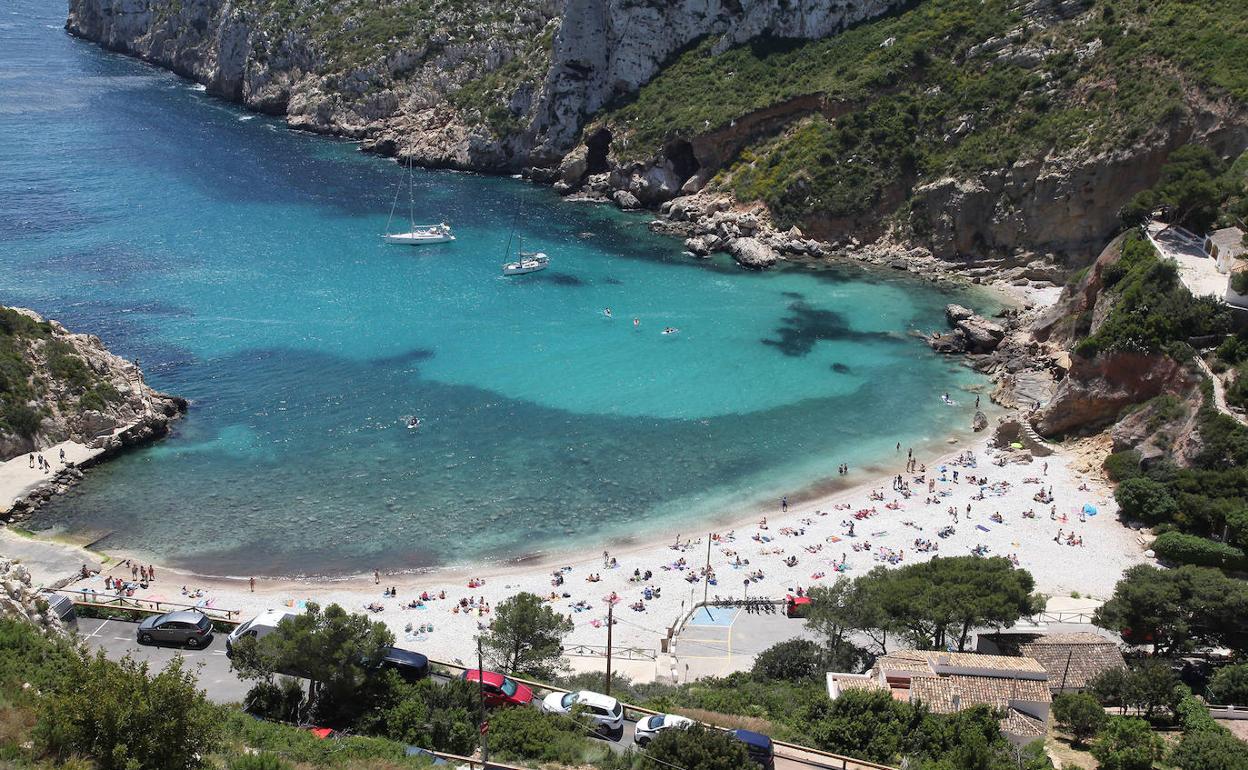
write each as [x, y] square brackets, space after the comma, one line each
[20, 600]
[1095, 391]
[608, 48]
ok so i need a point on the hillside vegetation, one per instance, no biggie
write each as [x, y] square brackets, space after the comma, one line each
[947, 87]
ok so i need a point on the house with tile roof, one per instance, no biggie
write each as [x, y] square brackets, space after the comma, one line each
[947, 682]
[1072, 660]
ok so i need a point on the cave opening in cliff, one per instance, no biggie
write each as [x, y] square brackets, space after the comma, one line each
[684, 162]
[598, 144]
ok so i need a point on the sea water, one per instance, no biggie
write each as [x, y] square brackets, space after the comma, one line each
[241, 263]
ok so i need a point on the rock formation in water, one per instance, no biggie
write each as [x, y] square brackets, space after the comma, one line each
[58, 386]
[1060, 110]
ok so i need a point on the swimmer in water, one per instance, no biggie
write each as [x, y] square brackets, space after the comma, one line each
[413, 423]
[606, 311]
[636, 322]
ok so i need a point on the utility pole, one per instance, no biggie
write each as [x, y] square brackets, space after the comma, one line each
[610, 623]
[484, 727]
[706, 578]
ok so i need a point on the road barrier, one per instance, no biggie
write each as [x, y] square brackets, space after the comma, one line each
[145, 606]
[791, 751]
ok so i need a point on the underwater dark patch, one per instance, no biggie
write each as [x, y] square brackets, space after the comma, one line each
[805, 326]
[840, 368]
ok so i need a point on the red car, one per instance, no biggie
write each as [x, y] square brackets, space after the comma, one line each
[500, 690]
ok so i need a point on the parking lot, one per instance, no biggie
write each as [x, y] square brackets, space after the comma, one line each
[117, 639]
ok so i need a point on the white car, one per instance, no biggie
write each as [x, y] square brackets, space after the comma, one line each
[605, 711]
[648, 728]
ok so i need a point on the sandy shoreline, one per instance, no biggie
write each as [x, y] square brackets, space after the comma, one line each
[811, 530]
[814, 531]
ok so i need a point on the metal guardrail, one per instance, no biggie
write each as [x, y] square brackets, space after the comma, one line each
[622, 653]
[149, 606]
[1062, 617]
[793, 751]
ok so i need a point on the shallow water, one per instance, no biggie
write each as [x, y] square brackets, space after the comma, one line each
[241, 263]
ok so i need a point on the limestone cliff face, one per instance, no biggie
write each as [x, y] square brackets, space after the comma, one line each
[74, 389]
[606, 49]
[1063, 205]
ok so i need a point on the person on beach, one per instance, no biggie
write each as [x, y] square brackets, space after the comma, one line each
[784, 504]
[252, 581]
[62, 454]
[376, 577]
[32, 459]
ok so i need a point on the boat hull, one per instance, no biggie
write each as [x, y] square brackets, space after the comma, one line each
[416, 239]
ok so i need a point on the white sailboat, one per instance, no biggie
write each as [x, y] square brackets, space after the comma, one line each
[416, 235]
[526, 261]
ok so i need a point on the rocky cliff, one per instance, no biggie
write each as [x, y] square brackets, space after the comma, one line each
[20, 600]
[952, 130]
[58, 386]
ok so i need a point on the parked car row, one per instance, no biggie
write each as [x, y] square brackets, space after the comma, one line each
[194, 629]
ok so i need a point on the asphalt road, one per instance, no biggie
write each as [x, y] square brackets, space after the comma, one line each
[117, 639]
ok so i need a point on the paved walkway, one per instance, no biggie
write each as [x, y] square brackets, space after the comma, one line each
[19, 476]
[1198, 271]
[49, 563]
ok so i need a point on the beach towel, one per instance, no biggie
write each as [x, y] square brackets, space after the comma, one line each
[833, 539]
[982, 527]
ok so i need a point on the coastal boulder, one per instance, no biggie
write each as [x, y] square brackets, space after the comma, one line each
[982, 335]
[625, 200]
[955, 313]
[752, 253]
[574, 165]
[702, 245]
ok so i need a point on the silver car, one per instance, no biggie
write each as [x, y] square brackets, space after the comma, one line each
[187, 627]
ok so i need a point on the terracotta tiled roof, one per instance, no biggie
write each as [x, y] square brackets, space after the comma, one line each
[1073, 662]
[859, 683]
[1023, 725]
[932, 660]
[938, 692]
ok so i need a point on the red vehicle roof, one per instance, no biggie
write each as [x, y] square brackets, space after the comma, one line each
[488, 677]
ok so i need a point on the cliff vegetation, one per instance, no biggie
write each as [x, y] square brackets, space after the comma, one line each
[948, 87]
[57, 386]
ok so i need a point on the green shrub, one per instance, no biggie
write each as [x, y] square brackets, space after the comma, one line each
[796, 660]
[1146, 500]
[65, 365]
[1190, 549]
[1210, 750]
[1128, 744]
[1123, 465]
[698, 748]
[1229, 686]
[1079, 714]
[1192, 713]
[529, 734]
[124, 719]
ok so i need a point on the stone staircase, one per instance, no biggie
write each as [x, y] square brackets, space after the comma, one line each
[1032, 440]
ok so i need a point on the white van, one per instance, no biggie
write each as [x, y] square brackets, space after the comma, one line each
[257, 627]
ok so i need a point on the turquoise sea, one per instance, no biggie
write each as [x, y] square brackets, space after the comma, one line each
[241, 263]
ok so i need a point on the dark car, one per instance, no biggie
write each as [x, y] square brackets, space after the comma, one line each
[759, 747]
[187, 627]
[411, 666]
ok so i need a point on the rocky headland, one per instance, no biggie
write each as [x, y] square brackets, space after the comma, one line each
[644, 105]
[63, 390]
